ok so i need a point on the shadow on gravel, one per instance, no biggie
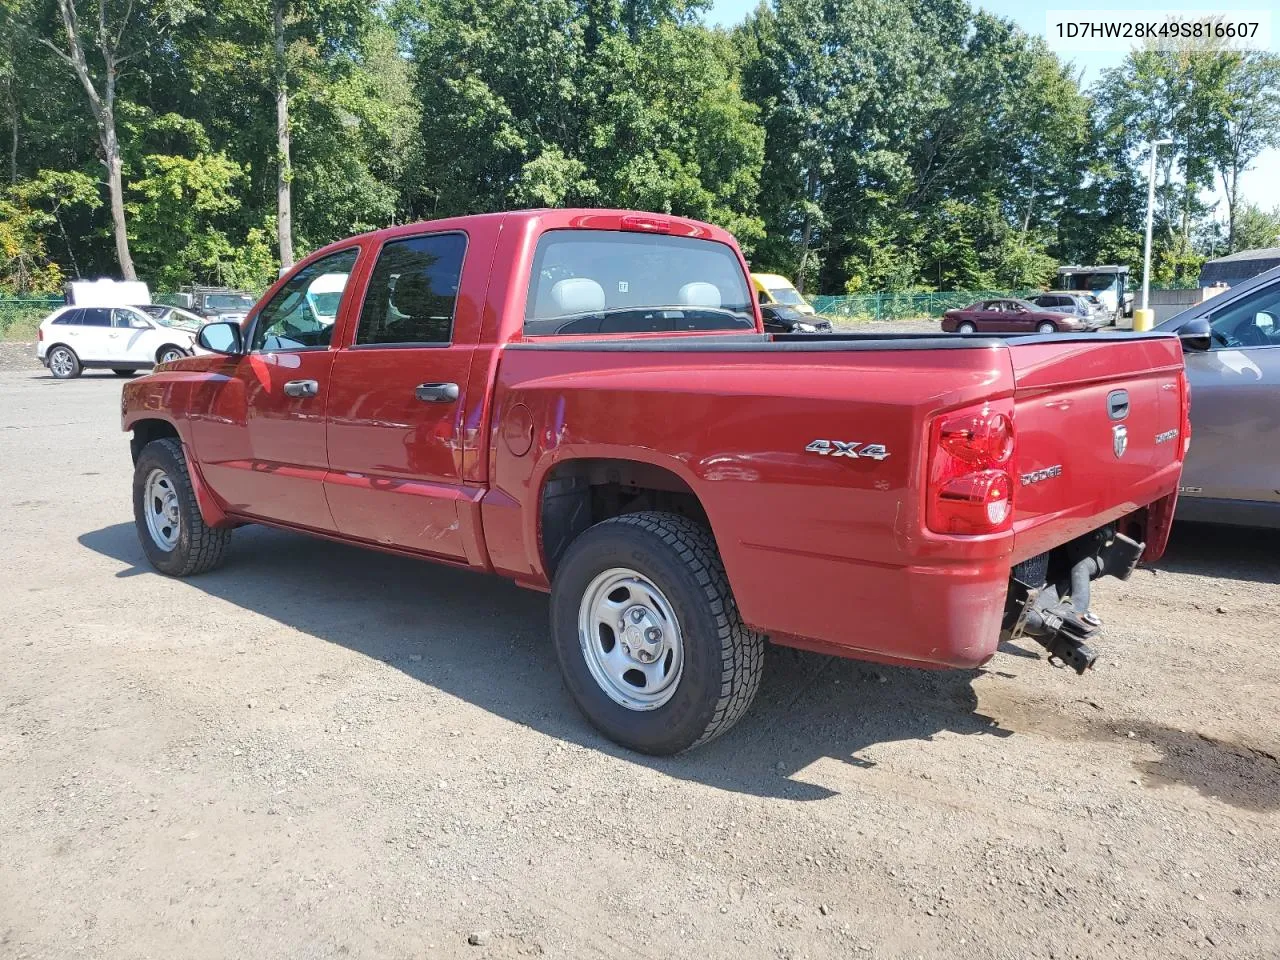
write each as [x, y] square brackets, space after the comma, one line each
[486, 641]
[1236, 553]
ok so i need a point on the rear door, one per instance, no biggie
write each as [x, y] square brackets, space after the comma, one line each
[395, 415]
[92, 339]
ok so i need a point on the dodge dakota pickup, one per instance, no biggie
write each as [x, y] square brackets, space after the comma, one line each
[585, 401]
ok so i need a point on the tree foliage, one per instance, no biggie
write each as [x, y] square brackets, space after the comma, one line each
[853, 144]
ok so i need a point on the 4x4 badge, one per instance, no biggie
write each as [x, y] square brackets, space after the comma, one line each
[853, 449]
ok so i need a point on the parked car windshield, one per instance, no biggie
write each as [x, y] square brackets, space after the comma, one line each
[595, 281]
[787, 295]
[230, 301]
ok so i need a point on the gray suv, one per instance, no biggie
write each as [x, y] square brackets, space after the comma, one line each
[1232, 345]
[1075, 304]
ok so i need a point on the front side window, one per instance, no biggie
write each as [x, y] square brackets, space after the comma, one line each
[302, 315]
[413, 291]
[596, 281]
[126, 318]
[1254, 321]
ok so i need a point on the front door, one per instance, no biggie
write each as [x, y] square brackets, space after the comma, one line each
[396, 401]
[1235, 403]
[260, 432]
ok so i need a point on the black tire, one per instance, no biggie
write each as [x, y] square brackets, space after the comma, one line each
[723, 659]
[198, 547]
[169, 352]
[63, 363]
[966, 328]
[1046, 327]
[127, 372]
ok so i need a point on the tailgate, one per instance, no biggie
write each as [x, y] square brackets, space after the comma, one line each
[1098, 423]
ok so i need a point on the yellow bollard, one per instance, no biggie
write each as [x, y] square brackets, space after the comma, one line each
[1143, 319]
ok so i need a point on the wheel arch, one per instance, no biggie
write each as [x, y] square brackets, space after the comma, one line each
[168, 346]
[148, 429]
[576, 493]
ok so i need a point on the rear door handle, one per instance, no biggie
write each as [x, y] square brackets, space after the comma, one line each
[301, 388]
[436, 392]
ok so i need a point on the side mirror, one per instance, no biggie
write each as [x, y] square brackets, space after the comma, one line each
[1196, 334]
[221, 338]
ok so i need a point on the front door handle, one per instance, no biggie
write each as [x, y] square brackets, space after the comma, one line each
[301, 388]
[436, 392]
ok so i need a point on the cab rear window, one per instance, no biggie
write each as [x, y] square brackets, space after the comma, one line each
[598, 281]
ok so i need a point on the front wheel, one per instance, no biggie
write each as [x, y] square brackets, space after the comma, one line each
[169, 354]
[1046, 327]
[966, 328]
[648, 635]
[172, 532]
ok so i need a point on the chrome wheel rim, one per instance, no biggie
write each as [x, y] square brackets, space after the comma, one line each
[160, 505]
[60, 363]
[631, 639]
[170, 355]
[1047, 328]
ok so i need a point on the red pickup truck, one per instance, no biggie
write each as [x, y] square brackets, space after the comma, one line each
[585, 401]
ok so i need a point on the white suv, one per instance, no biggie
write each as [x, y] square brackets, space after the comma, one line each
[122, 339]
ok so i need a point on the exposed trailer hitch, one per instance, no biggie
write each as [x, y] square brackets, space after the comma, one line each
[1056, 613]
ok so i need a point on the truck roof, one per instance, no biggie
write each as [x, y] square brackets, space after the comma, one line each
[572, 218]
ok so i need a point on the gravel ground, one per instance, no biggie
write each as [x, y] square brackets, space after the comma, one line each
[322, 752]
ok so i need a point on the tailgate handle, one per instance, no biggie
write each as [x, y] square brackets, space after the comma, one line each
[1118, 404]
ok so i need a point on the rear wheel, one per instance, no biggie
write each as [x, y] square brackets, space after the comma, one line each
[63, 363]
[648, 635]
[1046, 327]
[170, 528]
[966, 328]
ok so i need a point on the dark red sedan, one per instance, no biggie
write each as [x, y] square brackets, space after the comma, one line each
[1009, 315]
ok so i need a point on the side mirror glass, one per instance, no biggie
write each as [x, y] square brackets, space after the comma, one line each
[221, 338]
[1196, 334]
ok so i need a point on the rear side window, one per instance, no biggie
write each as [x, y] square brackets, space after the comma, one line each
[413, 291]
[70, 317]
[596, 281]
[95, 317]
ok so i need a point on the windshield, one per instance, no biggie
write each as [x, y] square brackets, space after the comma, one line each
[228, 301]
[784, 313]
[326, 304]
[1090, 281]
[595, 281]
[173, 317]
[787, 295]
[154, 310]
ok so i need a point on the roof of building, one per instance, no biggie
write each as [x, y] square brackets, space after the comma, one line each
[1238, 266]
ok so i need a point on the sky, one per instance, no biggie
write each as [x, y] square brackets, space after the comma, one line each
[1260, 185]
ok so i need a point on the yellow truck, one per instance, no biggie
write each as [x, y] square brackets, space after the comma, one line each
[772, 288]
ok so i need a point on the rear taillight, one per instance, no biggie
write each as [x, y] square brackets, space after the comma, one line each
[39, 333]
[971, 472]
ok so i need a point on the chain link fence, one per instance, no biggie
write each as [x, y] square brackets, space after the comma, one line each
[19, 316]
[905, 306]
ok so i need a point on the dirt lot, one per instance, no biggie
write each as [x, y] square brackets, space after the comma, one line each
[320, 752]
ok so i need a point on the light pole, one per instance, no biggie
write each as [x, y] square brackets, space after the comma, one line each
[1151, 202]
